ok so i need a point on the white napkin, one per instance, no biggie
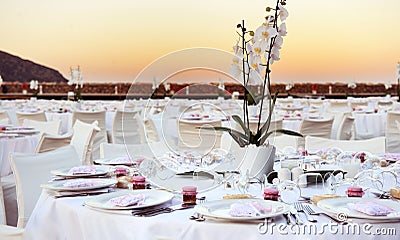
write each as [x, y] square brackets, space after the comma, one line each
[128, 200]
[79, 183]
[250, 209]
[121, 160]
[82, 170]
[371, 208]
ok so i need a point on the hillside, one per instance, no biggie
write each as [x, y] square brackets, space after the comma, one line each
[16, 69]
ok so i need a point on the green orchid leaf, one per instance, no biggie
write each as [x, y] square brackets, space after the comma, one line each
[242, 125]
[267, 124]
[239, 137]
[283, 131]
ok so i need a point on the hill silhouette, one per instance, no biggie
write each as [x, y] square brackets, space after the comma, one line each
[16, 69]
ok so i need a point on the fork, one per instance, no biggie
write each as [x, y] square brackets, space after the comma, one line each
[300, 208]
[311, 211]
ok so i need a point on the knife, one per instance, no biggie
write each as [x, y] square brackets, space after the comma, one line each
[296, 216]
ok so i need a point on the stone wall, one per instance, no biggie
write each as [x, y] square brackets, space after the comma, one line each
[142, 88]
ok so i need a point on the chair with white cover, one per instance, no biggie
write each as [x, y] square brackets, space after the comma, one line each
[315, 127]
[50, 142]
[191, 134]
[392, 132]
[147, 129]
[37, 116]
[283, 141]
[52, 127]
[338, 117]
[11, 233]
[4, 118]
[346, 129]
[89, 117]
[150, 150]
[125, 128]
[82, 139]
[373, 145]
[32, 170]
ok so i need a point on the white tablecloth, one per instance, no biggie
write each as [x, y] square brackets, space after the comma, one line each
[25, 144]
[67, 218]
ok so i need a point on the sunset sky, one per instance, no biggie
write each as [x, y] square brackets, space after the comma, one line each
[327, 41]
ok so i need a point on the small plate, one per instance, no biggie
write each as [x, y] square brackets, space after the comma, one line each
[220, 209]
[98, 183]
[64, 172]
[152, 197]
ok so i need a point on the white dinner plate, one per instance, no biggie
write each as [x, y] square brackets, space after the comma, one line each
[152, 197]
[22, 131]
[220, 209]
[64, 172]
[109, 161]
[98, 183]
[339, 205]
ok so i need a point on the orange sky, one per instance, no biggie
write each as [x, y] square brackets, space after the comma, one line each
[328, 41]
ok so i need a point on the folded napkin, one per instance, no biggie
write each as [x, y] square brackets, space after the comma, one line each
[371, 208]
[79, 183]
[250, 209]
[82, 170]
[128, 200]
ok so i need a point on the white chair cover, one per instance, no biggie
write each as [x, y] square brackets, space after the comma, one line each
[49, 142]
[338, 117]
[147, 129]
[125, 128]
[315, 127]
[345, 130]
[52, 127]
[38, 116]
[11, 233]
[82, 139]
[4, 117]
[392, 132]
[282, 141]
[110, 150]
[190, 134]
[10, 199]
[373, 145]
[31, 170]
[3, 219]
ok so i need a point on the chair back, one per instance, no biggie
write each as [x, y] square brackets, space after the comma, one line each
[346, 127]
[373, 145]
[392, 132]
[4, 117]
[125, 128]
[37, 116]
[82, 139]
[52, 127]
[190, 134]
[32, 170]
[315, 127]
[89, 117]
[50, 142]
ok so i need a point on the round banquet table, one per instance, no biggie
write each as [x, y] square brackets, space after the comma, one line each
[23, 144]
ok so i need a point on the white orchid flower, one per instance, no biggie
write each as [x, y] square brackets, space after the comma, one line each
[249, 48]
[236, 48]
[278, 42]
[274, 55]
[255, 61]
[282, 29]
[283, 12]
[260, 47]
[255, 78]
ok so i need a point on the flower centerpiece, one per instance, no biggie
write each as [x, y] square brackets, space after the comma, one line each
[255, 52]
[76, 78]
